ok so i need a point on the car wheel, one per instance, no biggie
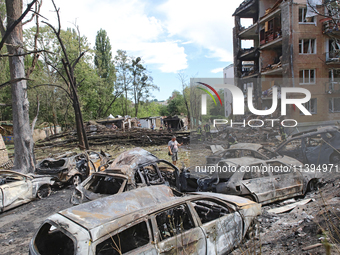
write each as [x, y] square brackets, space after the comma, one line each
[44, 191]
[253, 230]
[335, 158]
[76, 180]
[311, 185]
[250, 197]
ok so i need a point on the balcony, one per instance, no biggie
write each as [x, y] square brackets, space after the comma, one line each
[333, 57]
[249, 32]
[332, 87]
[248, 54]
[331, 27]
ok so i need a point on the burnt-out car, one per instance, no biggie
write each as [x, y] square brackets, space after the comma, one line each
[132, 169]
[263, 181]
[149, 220]
[72, 168]
[241, 150]
[314, 147]
[17, 188]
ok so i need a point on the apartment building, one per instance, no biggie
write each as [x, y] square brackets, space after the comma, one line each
[289, 45]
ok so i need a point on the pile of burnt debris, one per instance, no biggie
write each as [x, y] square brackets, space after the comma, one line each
[99, 135]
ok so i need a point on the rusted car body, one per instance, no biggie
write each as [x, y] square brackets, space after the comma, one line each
[242, 150]
[318, 146]
[263, 181]
[17, 188]
[150, 220]
[72, 168]
[132, 169]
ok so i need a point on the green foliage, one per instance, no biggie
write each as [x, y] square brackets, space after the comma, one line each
[176, 104]
[149, 109]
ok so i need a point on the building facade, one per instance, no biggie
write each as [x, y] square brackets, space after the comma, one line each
[291, 46]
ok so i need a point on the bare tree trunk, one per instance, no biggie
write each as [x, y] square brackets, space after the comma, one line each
[23, 141]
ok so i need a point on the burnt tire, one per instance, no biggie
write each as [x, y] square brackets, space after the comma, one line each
[250, 197]
[76, 180]
[44, 191]
[253, 230]
[312, 186]
[335, 158]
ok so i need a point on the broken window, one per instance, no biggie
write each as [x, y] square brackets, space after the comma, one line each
[52, 241]
[311, 106]
[334, 104]
[292, 146]
[104, 185]
[333, 49]
[174, 221]
[125, 241]
[313, 141]
[209, 210]
[307, 76]
[277, 168]
[302, 16]
[254, 172]
[307, 46]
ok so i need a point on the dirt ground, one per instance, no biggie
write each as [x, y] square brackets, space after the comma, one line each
[317, 222]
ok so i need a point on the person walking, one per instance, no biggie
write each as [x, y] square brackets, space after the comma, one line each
[173, 149]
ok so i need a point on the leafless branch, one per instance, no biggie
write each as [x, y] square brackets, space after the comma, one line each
[2, 28]
[15, 23]
[36, 116]
[13, 81]
[24, 54]
[35, 13]
[52, 85]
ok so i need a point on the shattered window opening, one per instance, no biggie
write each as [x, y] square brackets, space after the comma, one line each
[125, 241]
[105, 185]
[52, 241]
[307, 46]
[209, 210]
[314, 141]
[174, 221]
[302, 16]
[334, 104]
[307, 76]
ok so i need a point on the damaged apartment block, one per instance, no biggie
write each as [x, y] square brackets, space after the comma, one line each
[289, 44]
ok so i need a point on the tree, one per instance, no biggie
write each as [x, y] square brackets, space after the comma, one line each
[176, 104]
[69, 78]
[183, 79]
[123, 72]
[103, 55]
[142, 83]
[24, 159]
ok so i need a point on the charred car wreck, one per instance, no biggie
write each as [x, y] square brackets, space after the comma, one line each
[263, 181]
[72, 168]
[318, 146]
[17, 188]
[242, 150]
[150, 220]
[130, 170]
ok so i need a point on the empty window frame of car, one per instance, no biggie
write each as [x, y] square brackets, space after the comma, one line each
[104, 184]
[174, 221]
[125, 241]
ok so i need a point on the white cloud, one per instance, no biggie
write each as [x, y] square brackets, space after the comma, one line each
[217, 70]
[128, 27]
[209, 25]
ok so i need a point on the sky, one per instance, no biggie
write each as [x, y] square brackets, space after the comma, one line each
[171, 36]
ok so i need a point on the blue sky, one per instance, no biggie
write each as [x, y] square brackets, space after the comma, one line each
[192, 36]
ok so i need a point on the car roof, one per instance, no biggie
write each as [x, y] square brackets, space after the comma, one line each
[105, 215]
[100, 211]
[243, 161]
[14, 172]
[127, 162]
[246, 146]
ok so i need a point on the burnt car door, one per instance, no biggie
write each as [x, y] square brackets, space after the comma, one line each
[17, 190]
[294, 148]
[177, 231]
[221, 224]
[259, 183]
[288, 182]
[136, 238]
